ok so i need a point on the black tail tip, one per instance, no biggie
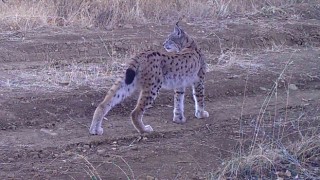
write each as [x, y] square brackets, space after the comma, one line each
[130, 74]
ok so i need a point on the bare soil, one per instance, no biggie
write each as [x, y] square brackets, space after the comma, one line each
[44, 118]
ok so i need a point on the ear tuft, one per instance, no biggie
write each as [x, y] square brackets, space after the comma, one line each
[177, 29]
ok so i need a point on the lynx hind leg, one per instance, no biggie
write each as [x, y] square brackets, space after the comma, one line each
[116, 94]
[198, 96]
[99, 113]
[178, 111]
[145, 101]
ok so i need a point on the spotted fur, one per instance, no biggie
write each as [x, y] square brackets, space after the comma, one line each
[183, 65]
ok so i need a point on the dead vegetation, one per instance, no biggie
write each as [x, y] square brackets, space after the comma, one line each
[269, 153]
[297, 160]
[26, 15]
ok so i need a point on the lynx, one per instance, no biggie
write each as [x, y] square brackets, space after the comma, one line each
[182, 65]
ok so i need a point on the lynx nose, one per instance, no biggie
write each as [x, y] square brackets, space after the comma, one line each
[166, 46]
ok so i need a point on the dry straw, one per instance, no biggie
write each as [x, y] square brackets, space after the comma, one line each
[26, 15]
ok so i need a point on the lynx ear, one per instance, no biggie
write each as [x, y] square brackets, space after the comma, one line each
[177, 29]
[177, 23]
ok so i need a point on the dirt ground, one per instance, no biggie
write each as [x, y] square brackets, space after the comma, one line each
[262, 70]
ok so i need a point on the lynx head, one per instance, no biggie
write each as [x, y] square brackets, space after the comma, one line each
[177, 40]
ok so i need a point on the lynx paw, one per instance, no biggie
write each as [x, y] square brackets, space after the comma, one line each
[96, 130]
[201, 114]
[147, 129]
[179, 119]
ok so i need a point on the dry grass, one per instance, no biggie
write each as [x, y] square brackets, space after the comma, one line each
[298, 160]
[65, 76]
[25, 15]
[269, 153]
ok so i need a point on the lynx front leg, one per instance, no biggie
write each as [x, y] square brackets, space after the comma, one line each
[145, 101]
[178, 111]
[198, 96]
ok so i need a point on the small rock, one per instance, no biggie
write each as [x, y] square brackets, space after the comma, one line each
[83, 49]
[151, 178]
[16, 155]
[293, 87]
[86, 146]
[263, 88]
[118, 44]
[34, 155]
[63, 83]
[10, 159]
[129, 26]
[10, 175]
[41, 155]
[288, 173]
[101, 151]
[48, 131]
[79, 149]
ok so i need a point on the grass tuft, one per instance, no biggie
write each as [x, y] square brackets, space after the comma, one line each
[298, 160]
